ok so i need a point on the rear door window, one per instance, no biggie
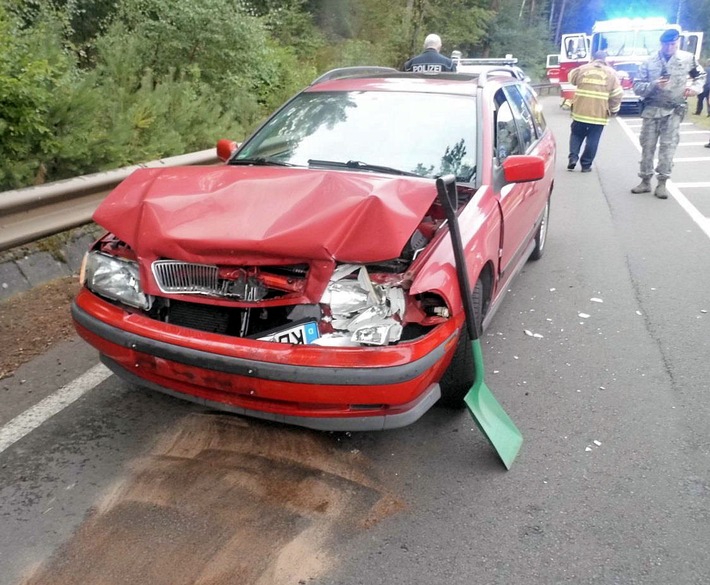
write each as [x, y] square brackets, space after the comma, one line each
[507, 137]
[535, 107]
[523, 117]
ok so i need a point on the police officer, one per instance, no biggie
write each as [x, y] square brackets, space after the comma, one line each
[430, 61]
[598, 94]
[661, 82]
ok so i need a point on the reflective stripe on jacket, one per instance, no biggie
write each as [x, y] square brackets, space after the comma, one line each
[598, 93]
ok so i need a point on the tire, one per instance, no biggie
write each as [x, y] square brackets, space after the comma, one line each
[458, 377]
[541, 235]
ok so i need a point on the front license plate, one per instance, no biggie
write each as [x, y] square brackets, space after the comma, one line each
[298, 334]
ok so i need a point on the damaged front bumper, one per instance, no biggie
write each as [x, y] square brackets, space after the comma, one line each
[326, 388]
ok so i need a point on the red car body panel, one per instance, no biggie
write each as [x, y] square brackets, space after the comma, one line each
[429, 84]
[294, 214]
[270, 380]
[480, 224]
[321, 218]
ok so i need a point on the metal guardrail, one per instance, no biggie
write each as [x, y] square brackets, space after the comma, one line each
[27, 215]
[547, 88]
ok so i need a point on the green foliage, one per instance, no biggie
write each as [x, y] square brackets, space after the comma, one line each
[385, 28]
[522, 35]
[289, 25]
[33, 66]
[100, 124]
[464, 25]
[158, 86]
[219, 41]
[217, 36]
[87, 85]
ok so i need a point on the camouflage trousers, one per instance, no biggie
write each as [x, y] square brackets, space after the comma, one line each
[663, 132]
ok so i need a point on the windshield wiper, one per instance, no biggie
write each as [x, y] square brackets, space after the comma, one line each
[260, 161]
[360, 166]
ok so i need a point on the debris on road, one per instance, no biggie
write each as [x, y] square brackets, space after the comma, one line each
[531, 334]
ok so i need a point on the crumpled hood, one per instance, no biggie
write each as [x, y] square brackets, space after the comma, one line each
[238, 214]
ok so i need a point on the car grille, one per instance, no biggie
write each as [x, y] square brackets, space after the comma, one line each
[245, 283]
[184, 277]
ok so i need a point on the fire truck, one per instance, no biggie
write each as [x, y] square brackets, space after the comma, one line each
[628, 43]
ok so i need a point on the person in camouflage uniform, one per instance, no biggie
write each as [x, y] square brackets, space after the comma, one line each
[662, 83]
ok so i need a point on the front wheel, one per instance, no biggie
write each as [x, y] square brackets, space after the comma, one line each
[458, 377]
[541, 235]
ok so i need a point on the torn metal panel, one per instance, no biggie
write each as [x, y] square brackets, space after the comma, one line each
[371, 313]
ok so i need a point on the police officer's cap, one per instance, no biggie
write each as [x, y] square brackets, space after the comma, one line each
[670, 36]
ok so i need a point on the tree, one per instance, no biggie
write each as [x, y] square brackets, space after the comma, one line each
[33, 66]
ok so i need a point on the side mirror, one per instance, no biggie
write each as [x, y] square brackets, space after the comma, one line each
[523, 168]
[225, 149]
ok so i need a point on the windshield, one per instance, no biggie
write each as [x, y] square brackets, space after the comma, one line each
[627, 43]
[426, 134]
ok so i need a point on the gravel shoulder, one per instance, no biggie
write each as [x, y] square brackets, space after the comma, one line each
[32, 322]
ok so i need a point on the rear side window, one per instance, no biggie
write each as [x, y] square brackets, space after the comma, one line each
[507, 137]
[535, 108]
[523, 117]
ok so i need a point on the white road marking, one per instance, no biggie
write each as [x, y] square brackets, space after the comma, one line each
[637, 124]
[32, 418]
[691, 159]
[702, 221]
[692, 185]
[629, 132]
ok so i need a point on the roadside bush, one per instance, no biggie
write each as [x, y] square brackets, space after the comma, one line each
[214, 35]
[33, 66]
[102, 125]
[168, 77]
[88, 85]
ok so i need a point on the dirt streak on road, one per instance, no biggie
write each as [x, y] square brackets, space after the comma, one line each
[223, 500]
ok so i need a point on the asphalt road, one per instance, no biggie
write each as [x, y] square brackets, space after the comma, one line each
[612, 485]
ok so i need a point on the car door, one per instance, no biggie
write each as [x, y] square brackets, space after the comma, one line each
[514, 135]
[545, 145]
[537, 142]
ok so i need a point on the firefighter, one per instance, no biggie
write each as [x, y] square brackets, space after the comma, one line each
[662, 83]
[430, 61]
[598, 95]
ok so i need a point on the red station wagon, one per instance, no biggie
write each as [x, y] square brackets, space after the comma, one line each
[311, 279]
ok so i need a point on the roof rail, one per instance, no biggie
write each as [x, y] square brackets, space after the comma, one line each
[460, 59]
[359, 71]
[486, 61]
[483, 76]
